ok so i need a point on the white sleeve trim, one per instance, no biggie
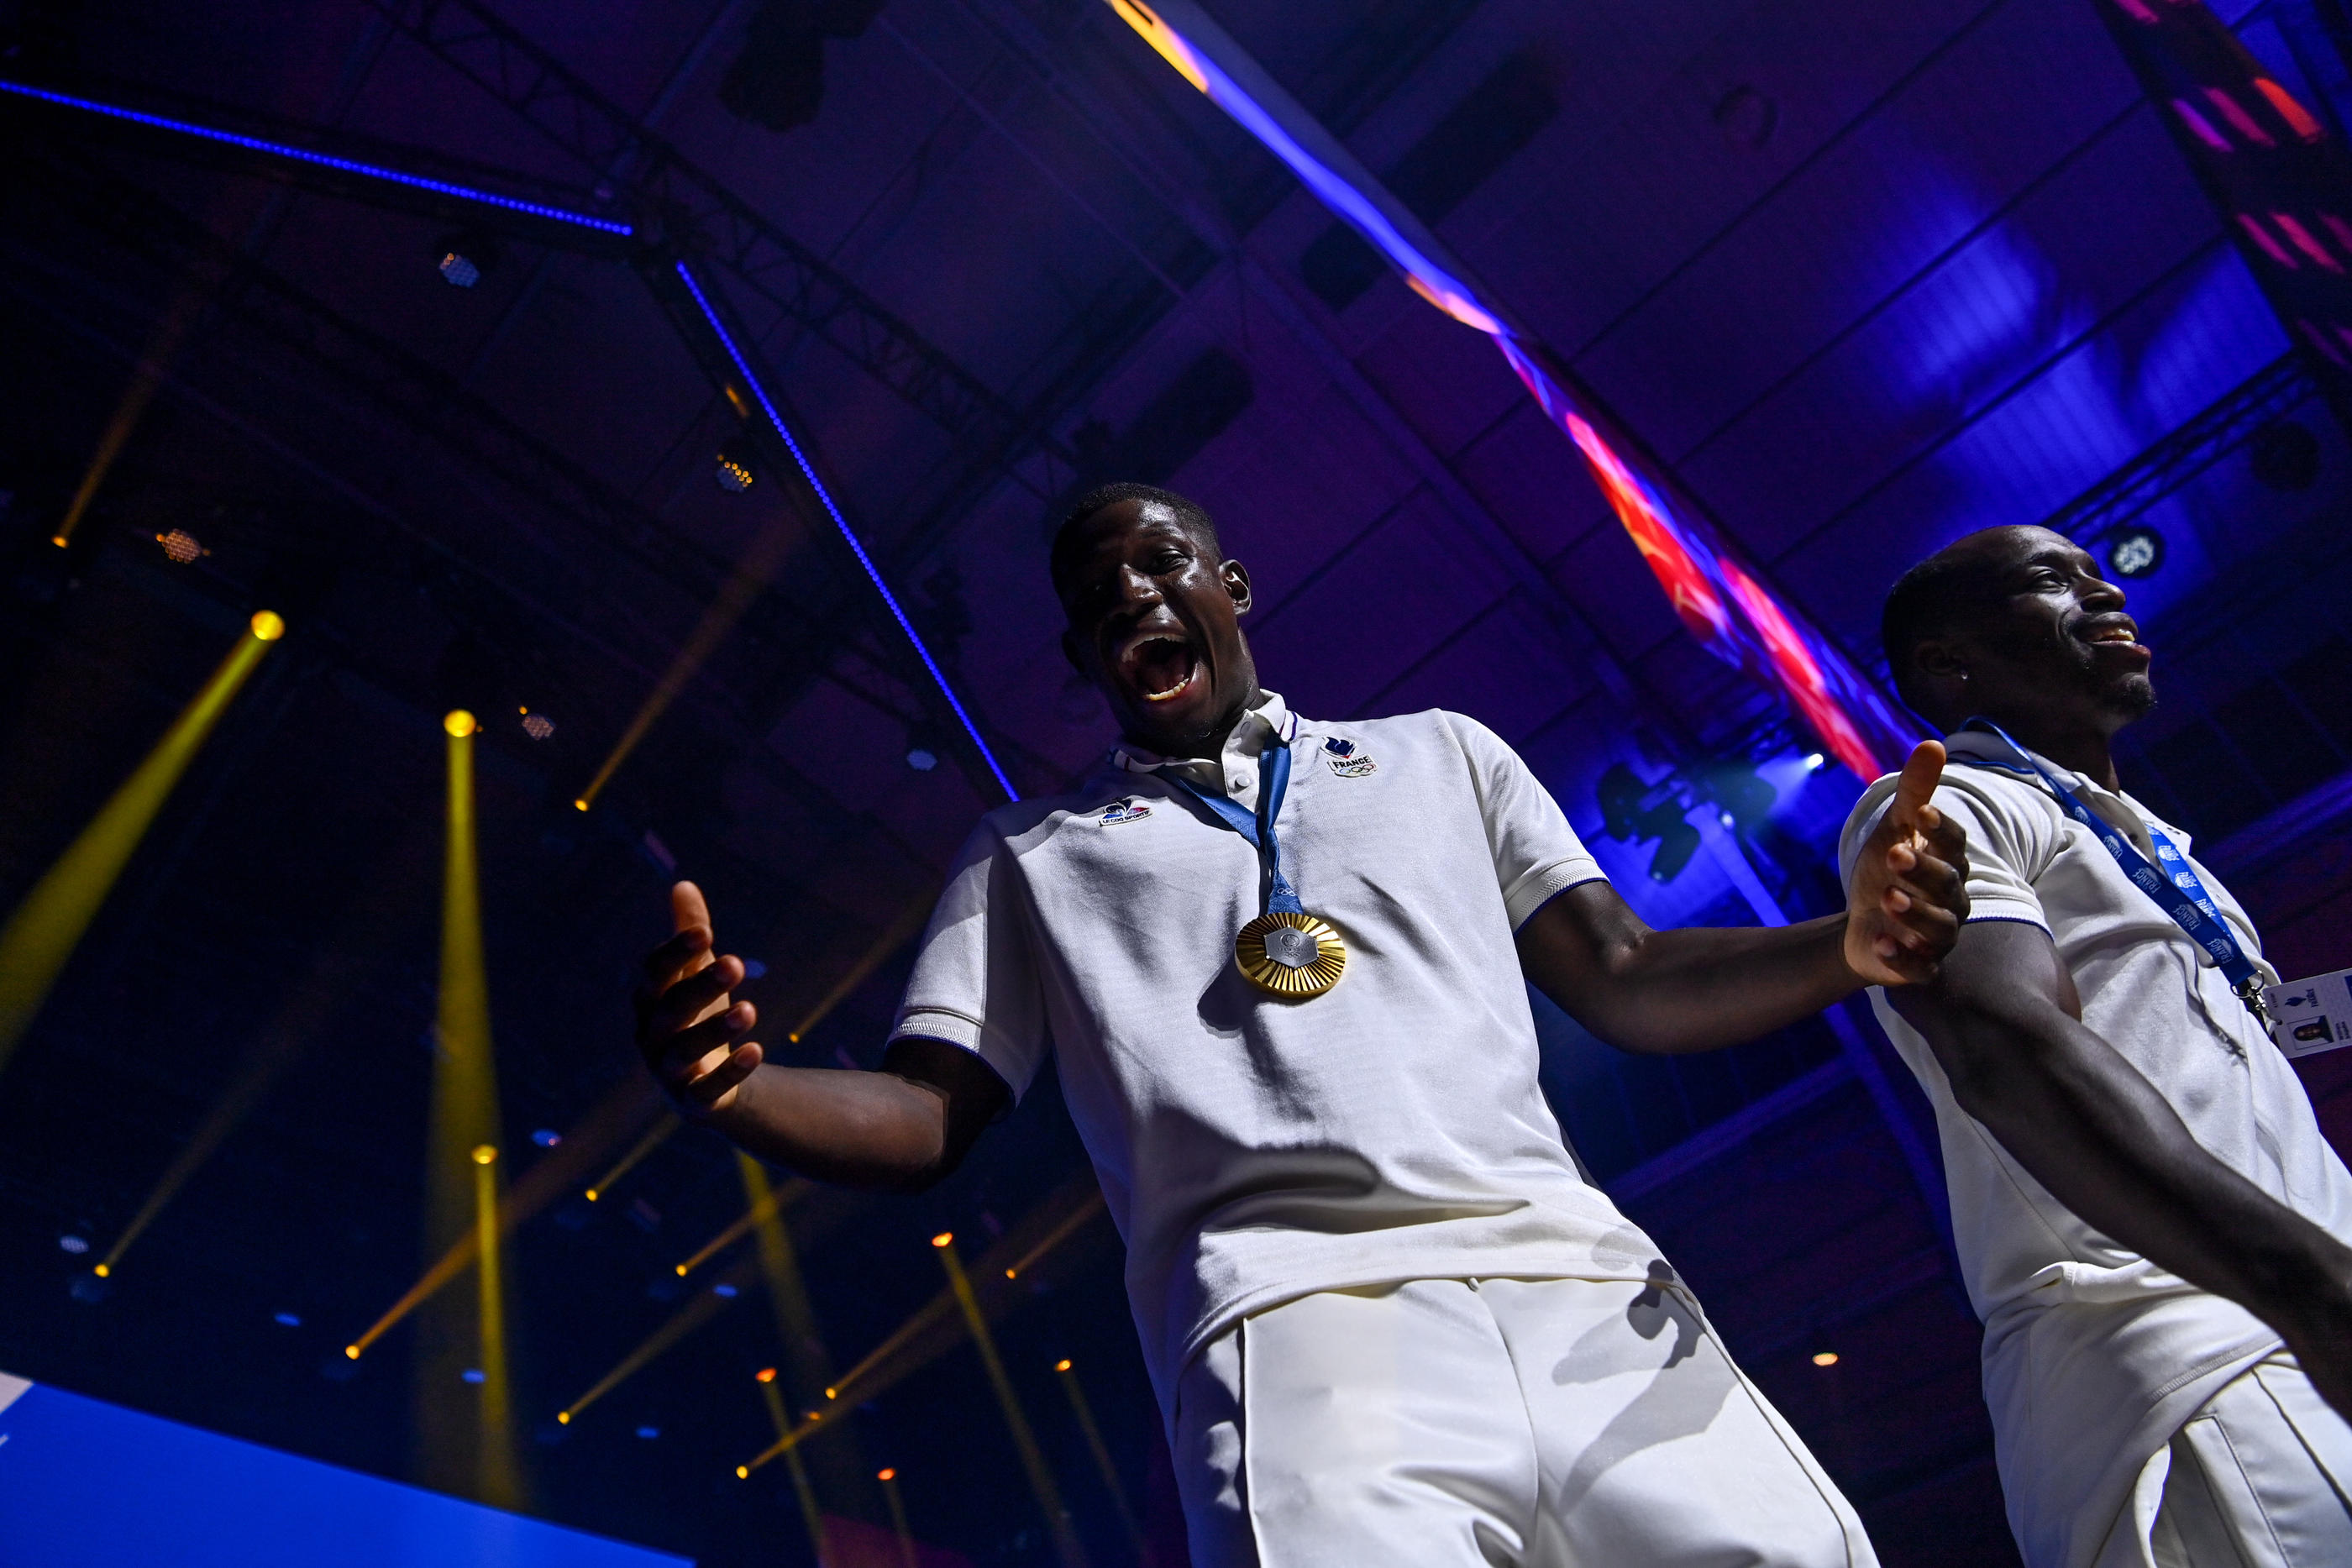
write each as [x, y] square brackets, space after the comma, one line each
[1540, 887]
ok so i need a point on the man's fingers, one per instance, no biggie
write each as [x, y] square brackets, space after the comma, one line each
[1922, 771]
[693, 999]
[705, 1091]
[688, 908]
[686, 951]
[683, 1053]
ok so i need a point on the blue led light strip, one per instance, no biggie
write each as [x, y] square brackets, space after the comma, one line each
[856, 546]
[303, 155]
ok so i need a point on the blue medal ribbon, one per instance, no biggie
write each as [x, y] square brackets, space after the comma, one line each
[2174, 886]
[1274, 779]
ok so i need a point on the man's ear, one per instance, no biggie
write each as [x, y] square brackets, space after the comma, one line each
[1235, 576]
[1941, 659]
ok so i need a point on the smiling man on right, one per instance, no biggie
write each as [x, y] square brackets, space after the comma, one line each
[2153, 1228]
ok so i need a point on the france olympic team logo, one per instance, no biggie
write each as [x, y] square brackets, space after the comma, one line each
[1346, 760]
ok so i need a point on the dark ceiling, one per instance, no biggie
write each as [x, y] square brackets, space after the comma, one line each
[1864, 276]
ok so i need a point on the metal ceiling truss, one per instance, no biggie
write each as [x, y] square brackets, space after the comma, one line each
[2270, 394]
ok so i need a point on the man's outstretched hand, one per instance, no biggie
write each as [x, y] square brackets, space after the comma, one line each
[688, 1028]
[1909, 895]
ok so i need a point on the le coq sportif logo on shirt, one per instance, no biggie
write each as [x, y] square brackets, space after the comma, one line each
[1126, 808]
[1346, 760]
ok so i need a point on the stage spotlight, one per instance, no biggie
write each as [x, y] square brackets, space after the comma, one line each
[742, 1472]
[2135, 551]
[484, 1153]
[74, 1244]
[102, 1270]
[649, 1433]
[462, 258]
[538, 725]
[1814, 762]
[886, 1475]
[724, 1292]
[1825, 1358]
[459, 723]
[922, 758]
[474, 1375]
[943, 1239]
[2286, 456]
[1063, 1365]
[287, 1319]
[732, 468]
[181, 547]
[547, 1137]
[765, 1374]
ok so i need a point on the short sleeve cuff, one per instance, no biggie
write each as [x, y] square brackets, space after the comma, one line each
[1538, 887]
[956, 1029]
[1995, 906]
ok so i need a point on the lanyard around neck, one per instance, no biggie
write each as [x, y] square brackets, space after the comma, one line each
[2175, 887]
[1274, 780]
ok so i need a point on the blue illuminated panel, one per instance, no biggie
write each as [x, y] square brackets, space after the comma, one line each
[85, 1484]
[321, 159]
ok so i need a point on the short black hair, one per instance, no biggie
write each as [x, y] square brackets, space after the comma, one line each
[1928, 601]
[1194, 516]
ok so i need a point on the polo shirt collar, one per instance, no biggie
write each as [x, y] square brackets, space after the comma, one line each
[2120, 809]
[1270, 719]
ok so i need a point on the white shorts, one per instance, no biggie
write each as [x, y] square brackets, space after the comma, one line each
[2257, 1478]
[1542, 1422]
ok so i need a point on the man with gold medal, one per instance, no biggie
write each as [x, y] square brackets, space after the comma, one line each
[1282, 966]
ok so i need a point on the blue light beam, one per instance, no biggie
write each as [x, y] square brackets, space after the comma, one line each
[304, 155]
[856, 546]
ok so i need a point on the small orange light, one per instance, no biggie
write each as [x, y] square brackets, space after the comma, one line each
[1825, 1358]
[816, 1415]
[352, 1351]
[459, 723]
[58, 541]
[579, 805]
[887, 1475]
[592, 1195]
[681, 1271]
[793, 1039]
[742, 1472]
[103, 1270]
[267, 625]
[1011, 1275]
[765, 1374]
[829, 1394]
[484, 1153]
[563, 1418]
[943, 1237]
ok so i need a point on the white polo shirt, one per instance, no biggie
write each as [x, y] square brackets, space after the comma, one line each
[2093, 1356]
[1253, 1149]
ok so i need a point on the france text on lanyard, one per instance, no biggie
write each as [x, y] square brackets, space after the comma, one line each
[2175, 888]
[1285, 950]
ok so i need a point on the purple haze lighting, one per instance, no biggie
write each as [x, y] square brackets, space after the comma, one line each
[324, 160]
[857, 548]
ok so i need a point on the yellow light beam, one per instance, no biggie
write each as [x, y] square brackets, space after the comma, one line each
[653, 1137]
[461, 1182]
[812, 1516]
[1085, 1412]
[706, 1305]
[146, 378]
[745, 583]
[889, 1479]
[599, 1130]
[45, 927]
[1025, 1443]
[500, 1481]
[766, 1204]
[908, 920]
[935, 1329]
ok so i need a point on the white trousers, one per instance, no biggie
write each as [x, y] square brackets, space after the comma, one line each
[2259, 1477]
[1533, 1423]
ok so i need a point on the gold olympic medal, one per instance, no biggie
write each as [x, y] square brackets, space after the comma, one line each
[1292, 955]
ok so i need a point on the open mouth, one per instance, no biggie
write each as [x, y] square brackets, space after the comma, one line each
[2115, 635]
[1160, 667]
